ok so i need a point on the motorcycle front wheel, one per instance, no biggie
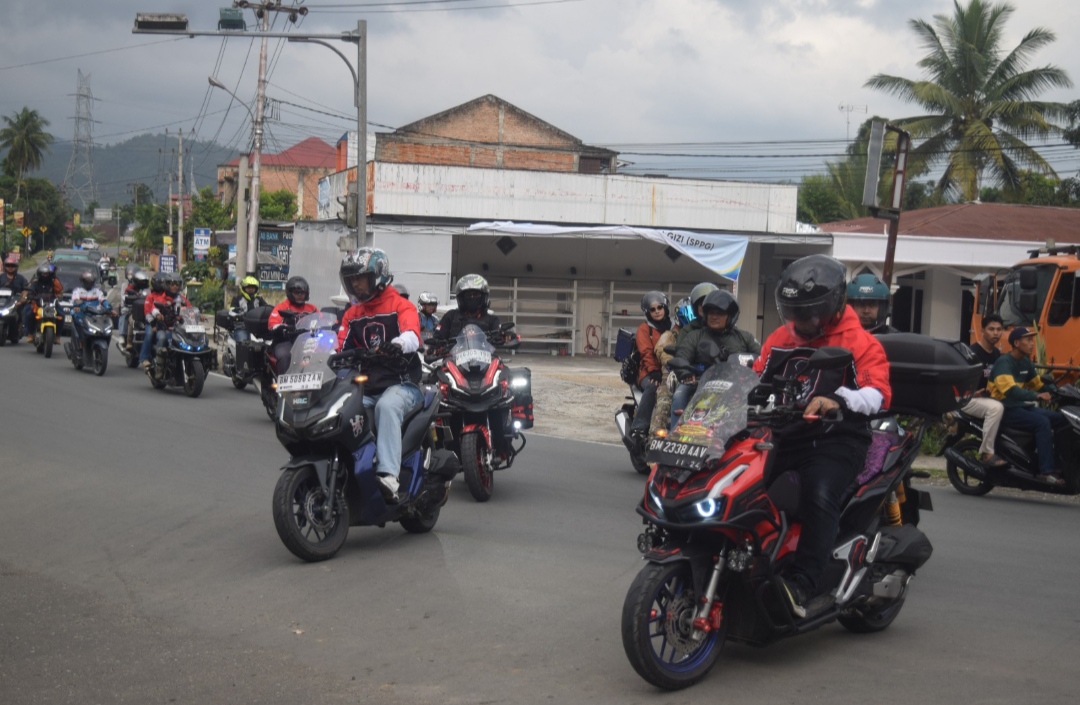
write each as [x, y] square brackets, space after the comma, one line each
[194, 377]
[100, 361]
[657, 628]
[476, 463]
[47, 342]
[269, 399]
[959, 478]
[311, 526]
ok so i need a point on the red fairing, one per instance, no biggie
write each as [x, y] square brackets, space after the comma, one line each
[871, 366]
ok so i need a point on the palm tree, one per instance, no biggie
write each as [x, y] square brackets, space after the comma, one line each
[26, 142]
[979, 100]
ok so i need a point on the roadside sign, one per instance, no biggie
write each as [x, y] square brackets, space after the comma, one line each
[202, 240]
[102, 215]
[43, 228]
[26, 232]
[76, 219]
[167, 264]
[1, 210]
[18, 219]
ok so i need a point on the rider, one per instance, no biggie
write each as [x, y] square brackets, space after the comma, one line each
[981, 406]
[383, 320]
[138, 283]
[654, 304]
[247, 299]
[720, 311]
[46, 286]
[661, 416]
[869, 296]
[168, 296]
[697, 297]
[810, 298]
[284, 317]
[1013, 381]
[88, 293]
[428, 302]
[472, 294]
[11, 279]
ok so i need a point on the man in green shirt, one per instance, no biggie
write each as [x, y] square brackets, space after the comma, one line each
[1014, 383]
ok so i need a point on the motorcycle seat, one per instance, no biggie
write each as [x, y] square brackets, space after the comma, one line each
[1019, 436]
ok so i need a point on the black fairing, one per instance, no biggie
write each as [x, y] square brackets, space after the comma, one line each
[904, 545]
[301, 411]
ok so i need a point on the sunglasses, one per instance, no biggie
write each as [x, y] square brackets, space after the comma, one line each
[656, 308]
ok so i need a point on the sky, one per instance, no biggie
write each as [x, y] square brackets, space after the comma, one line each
[636, 75]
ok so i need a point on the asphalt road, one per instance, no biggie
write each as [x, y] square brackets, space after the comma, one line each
[139, 564]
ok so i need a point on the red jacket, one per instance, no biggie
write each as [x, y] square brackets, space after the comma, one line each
[871, 365]
[646, 339]
[155, 297]
[276, 319]
[369, 324]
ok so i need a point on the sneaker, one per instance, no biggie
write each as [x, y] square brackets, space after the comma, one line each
[388, 485]
[794, 596]
[145, 364]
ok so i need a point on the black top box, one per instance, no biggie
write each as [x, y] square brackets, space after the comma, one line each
[930, 375]
[257, 321]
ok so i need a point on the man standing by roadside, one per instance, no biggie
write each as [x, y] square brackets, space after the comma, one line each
[1013, 381]
[981, 405]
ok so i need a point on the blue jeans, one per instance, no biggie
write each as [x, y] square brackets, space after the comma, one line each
[152, 339]
[391, 407]
[1040, 422]
[682, 396]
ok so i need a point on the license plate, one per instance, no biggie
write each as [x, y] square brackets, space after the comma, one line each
[675, 453]
[303, 382]
[195, 329]
[466, 356]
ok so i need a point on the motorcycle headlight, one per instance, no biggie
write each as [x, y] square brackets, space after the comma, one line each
[519, 382]
[328, 425]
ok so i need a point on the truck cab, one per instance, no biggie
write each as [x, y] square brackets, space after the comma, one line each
[1040, 293]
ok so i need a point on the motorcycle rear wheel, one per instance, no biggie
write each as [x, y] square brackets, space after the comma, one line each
[47, 342]
[868, 620]
[476, 463]
[194, 377]
[423, 523]
[299, 502]
[99, 359]
[967, 484]
[657, 626]
[269, 400]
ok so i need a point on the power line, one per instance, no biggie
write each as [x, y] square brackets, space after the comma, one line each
[89, 53]
[351, 8]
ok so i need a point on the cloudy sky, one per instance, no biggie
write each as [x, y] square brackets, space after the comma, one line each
[627, 73]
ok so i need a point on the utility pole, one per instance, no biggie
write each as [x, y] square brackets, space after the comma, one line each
[168, 208]
[260, 98]
[180, 202]
[241, 219]
[361, 138]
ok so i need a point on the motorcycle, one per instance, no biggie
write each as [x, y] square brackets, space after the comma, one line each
[47, 324]
[720, 528]
[186, 359]
[487, 405]
[244, 362]
[329, 482]
[10, 320]
[134, 329]
[623, 418]
[970, 477]
[92, 342]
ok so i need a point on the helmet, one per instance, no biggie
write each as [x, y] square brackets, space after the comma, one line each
[427, 298]
[472, 293]
[698, 294]
[11, 259]
[172, 278]
[811, 295]
[294, 286]
[724, 301]
[45, 272]
[140, 280]
[87, 279]
[867, 287]
[650, 299]
[129, 271]
[684, 312]
[367, 263]
[402, 291]
[245, 284]
[157, 282]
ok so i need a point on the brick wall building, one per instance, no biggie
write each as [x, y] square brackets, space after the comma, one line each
[298, 170]
[489, 132]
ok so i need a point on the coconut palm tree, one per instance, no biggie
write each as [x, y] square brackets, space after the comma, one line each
[979, 99]
[26, 142]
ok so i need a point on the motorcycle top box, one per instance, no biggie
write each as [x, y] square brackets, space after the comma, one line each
[930, 375]
[257, 321]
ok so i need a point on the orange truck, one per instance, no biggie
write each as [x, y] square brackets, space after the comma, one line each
[1041, 293]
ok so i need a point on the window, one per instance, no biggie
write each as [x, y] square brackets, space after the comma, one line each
[1061, 305]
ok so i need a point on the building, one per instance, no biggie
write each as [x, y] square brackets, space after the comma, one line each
[297, 170]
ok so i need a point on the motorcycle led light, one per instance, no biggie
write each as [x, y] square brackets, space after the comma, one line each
[706, 508]
[519, 382]
[517, 425]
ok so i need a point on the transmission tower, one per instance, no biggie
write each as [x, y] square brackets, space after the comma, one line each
[79, 180]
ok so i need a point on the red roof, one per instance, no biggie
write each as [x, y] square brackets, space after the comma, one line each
[312, 152]
[981, 221]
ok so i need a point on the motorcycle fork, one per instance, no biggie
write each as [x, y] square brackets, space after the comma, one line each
[710, 614]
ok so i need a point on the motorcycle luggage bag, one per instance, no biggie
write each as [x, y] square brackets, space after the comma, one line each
[522, 409]
[257, 321]
[223, 321]
[930, 375]
[624, 344]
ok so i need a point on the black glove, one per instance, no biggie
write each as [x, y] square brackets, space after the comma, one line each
[684, 375]
[391, 348]
[653, 377]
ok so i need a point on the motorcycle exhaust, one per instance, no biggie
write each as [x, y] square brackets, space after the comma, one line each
[970, 465]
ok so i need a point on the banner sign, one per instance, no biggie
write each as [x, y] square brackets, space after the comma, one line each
[277, 243]
[201, 243]
[102, 215]
[722, 254]
[167, 264]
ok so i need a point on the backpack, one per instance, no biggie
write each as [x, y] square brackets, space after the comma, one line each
[630, 366]
[627, 353]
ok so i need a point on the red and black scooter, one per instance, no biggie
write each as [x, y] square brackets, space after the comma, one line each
[720, 527]
[485, 404]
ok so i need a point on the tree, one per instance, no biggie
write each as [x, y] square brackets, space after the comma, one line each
[208, 212]
[1072, 114]
[979, 100]
[277, 205]
[26, 142]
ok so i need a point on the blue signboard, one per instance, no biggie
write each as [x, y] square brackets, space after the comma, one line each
[279, 244]
[167, 264]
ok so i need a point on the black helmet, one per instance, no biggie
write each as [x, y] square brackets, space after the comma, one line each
[157, 282]
[294, 286]
[698, 294]
[129, 271]
[173, 278]
[45, 272]
[87, 279]
[652, 298]
[724, 301]
[811, 295]
[367, 262]
[472, 293]
[140, 280]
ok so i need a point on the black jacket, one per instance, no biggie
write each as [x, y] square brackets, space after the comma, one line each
[454, 320]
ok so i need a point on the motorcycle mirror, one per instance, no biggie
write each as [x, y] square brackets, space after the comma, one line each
[509, 325]
[830, 358]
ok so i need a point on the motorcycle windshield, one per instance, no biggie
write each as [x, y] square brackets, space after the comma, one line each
[471, 348]
[718, 408]
[189, 318]
[316, 342]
